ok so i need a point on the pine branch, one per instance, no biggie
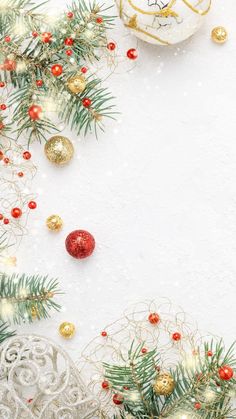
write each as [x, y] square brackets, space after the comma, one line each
[5, 333]
[26, 298]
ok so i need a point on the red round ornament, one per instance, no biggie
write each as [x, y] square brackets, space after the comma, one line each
[86, 102]
[83, 70]
[35, 112]
[9, 65]
[32, 205]
[46, 37]
[144, 350]
[117, 399]
[6, 221]
[2, 125]
[1, 155]
[6, 160]
[69, 41]
[57, 70]
[35, 34]
[7, 39]
[16, 212]
[176, 336]
[26, 155]
[111, 46]
[99, 20]
[132, 54]
[209, 353]
[80, 244]
[70, 15]
[20, 174]
[197, 406]
[154, 318]
[2, 84]
[225, 372]
[69, 52]
[3, 107]
[39, 83]
[104, 334]
[105, 385]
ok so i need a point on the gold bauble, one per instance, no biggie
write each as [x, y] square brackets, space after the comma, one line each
[54, 222]
[67, 330]
[164, 384]
[59, 150]
[34, 313]
[219, 35]
[76, 84]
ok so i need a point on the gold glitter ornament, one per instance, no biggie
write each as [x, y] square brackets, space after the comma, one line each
[76, 84]
[164, 384]
[59, 150]
[54, 222]
[219, 35]
[67, 330]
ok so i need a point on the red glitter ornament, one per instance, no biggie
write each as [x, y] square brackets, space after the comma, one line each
[46, 37]
[226, 373]
[9, 65]
[83, 70]
[154, 318]
[197, 406]
[35, 112]
[132, 54]
[86, 102]
[176, 336]
[57, 70]
[111, 46]
[80, 244]
[2, 84]
[105, 385]
[117, 399]
[7, 39]
[16, 212]
[6, 221]
[69, 41]
[3, 107]
[39, 83]
[26, 155]
[69, 52]
[104, 334]
[70, 15]
[32, 205]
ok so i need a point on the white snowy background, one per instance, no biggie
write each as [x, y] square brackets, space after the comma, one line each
[157, 191]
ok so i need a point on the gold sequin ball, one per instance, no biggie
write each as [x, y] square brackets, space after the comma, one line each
[54, 222]
[59, 150]
[76, 84]
[164, 384]
[67, 330]
[219, 35]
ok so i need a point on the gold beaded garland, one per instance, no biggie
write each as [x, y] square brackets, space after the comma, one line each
[219, 35]
[67, 330]
[59, 150]
[54, 222]
[164, 384]
[76, 84]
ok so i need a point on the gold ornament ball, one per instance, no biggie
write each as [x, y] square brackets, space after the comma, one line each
[54, 222]
[164, 384]
[76, 84]
[59, 150]
[219, 35]
[67, 330]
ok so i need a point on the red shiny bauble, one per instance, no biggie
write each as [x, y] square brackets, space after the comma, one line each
[154, 318]
[83, 70]
[104, 334]
[111, 46]
[80, 244]
[117, 399]
[39, 83]
[35, 112]
[26, 155]
[209, 353]
[225, 372]
[2, 84]
[144, 350]
[3, 107]
[197, 406]
[86, 102]
[9, 65]
[70, 15]
[6, 221]
[99, 20]
[69, 41]
[16, 212]
[132, 54]
[105, 385]
[69, 52]
[20, 174]
[32, 205]
[57, 70]
[7, 39]
[46, 37]
[176, 336]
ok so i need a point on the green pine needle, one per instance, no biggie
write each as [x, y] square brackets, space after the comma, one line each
[5, 333]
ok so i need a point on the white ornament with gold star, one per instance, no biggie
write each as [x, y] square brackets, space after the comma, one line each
[163, 22]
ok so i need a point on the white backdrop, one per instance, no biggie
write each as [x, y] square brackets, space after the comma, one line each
[157, 191]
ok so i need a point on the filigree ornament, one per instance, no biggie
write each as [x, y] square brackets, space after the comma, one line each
[38, 380]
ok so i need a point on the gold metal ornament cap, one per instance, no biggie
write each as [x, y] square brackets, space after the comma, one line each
[67, 330]
[219, 35]
[59, 150]
[164, 384]
[54, 222]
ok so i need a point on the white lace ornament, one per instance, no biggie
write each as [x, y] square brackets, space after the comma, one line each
[39, 380]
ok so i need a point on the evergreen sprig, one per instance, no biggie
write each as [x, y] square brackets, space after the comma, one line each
[32, 59]
[198, 382]
[26, 298]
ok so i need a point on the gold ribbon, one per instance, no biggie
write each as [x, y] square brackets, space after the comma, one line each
[167, 10]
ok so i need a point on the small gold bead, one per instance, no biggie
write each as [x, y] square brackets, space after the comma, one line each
[54, 222]
[67, 330]
[219, 35]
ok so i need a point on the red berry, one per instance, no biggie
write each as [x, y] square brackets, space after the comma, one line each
[46, 37]
[57, 70]
[117, 399]
[20, 174]
[2, 84]
[2, 125]
[7, 39]
[126, 388]
[99, 20]
[32, 205]
[105, 385]
[1, 155]
[226, 373]
[154, 318]
[132, 54]
[69, 41]
[86, 102]
[6, 221]
[35, 34]
[144, 350]
[6, 160]
[16, 212]
[111, 46]
[70, 15]
[29, 400]
[209, 353]
[104, 333]
[176, 336]
[197, 406]
[83, 70]
[69, 52]
[27, 155]
[39, 83]
[35, 112]
[1, 216]
[9, 65]
[3, 107]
